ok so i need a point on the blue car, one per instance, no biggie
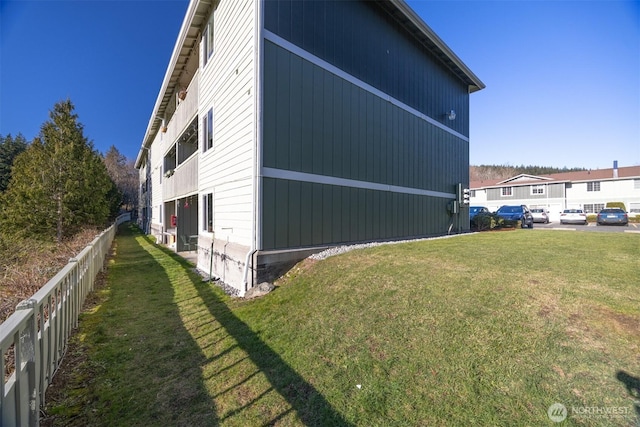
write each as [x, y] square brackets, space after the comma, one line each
[475, 210]
[516, 213]
[614, 216]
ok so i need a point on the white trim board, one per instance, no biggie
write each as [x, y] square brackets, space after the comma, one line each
[352, 183]
[279, 41]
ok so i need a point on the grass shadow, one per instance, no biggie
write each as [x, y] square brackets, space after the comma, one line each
[299, 400]
[309, 405]
[132, 361]
[632, 385]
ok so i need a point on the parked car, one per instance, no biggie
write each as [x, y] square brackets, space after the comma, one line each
[573, 216]
[613, 216]
[475, 210]
[516, 213]
[540, 215]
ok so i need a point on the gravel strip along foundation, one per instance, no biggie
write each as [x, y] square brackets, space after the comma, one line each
[346, 248]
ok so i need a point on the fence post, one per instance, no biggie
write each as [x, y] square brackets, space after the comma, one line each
[27, 354]
[77, 292]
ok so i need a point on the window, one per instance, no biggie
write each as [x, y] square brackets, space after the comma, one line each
[593, 207]
[207, 126]
[507, 191]
[207, 37]
[636, 184]
[473, 193]
[169, 164]
[634, 207]
[593, 186]
[537, 189]
[207, 203]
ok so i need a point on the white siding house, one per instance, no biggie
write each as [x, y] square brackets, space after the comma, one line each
[588, 190]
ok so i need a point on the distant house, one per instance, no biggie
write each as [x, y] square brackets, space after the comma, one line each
[587, 190]
[284, 127]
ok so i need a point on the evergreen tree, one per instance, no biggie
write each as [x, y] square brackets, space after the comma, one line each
[59, 184]
[9, 150]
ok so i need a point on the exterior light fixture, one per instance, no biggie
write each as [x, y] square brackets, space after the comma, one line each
[451, 115]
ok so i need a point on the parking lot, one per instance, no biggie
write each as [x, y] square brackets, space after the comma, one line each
[555, 225]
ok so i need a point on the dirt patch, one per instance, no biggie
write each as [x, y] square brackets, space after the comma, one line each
[621, 323]
[547, 303]
[594, 330]
[545, 311]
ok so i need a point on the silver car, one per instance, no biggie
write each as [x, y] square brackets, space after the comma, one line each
[540, 215]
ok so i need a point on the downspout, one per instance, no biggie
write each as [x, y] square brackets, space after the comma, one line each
[256, 202]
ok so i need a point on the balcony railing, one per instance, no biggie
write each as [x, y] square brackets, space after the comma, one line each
[182, 180]
[185, 112]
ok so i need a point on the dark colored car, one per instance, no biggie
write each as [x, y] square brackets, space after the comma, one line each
[614, 216]
[516, 213]
[475, 210]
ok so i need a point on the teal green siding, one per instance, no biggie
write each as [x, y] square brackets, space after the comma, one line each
[319, 123]
[362, 39]
[298, 214]
[316, 122]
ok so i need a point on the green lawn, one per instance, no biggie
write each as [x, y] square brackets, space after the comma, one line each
[482, 329]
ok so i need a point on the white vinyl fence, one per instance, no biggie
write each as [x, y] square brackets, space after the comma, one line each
[35, 336]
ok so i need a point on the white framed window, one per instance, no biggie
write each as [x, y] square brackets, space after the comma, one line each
[634, 208]
[593, 207]
[507, 191]
[207, 212]
[207, 38]
[636, 184]
[207, 129]
[593, 186]
[537, 189]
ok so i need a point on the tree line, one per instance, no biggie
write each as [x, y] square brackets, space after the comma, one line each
[55, 185]
[491, 172]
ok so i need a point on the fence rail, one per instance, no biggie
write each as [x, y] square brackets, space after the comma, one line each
[36, 335]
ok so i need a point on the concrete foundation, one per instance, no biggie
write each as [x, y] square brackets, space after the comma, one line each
[226, 261]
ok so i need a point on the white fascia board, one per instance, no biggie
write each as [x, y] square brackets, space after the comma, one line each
[182, 35]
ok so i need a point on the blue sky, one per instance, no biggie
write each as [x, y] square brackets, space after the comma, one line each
[563, 77]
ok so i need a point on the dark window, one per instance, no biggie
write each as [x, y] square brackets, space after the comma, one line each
[207, 126]
[208, 212]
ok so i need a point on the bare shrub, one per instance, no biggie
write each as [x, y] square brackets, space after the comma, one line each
[27, 265]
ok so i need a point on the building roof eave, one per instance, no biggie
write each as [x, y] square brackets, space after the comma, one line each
[430, 39]
[188, 37]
